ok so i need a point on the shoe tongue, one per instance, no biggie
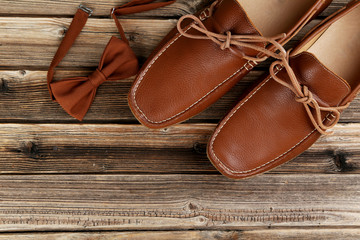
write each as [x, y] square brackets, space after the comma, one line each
[230, 16]
[329, 89]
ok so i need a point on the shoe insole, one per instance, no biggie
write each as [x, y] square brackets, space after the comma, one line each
[272, 17]
[338, 48]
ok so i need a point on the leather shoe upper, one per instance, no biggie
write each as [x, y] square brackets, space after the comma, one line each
[185, 75]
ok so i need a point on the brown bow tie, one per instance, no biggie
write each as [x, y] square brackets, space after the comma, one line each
[75, 95]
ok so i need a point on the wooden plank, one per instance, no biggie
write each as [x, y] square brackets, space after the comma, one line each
[102, 7]
[74, 148]
[176, 202]
[20, 36]
[318, 189]
[148, 235]
[24, 97]
[302, 234]
[278, 234]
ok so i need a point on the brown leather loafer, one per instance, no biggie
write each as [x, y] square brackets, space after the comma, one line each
[299, 101]
[207, 54]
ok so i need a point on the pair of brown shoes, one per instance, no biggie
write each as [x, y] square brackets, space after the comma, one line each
[300, 100]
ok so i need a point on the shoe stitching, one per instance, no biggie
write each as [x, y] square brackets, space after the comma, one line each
[223, 125]
[217, 133]
[194, 104]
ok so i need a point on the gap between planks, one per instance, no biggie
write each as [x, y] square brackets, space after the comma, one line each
[113, 148]
[28, 90]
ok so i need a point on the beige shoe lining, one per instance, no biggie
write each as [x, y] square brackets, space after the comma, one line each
[272, 17]
[338, 48]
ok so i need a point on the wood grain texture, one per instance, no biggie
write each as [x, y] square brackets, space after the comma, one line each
[145, 235]
[108, 174]
[21, 37]
[177, 202]
[32, 42]
[28, 90]
[24, 97]
[301, 234]
[77, 148]
[102, 7]
[277, 234]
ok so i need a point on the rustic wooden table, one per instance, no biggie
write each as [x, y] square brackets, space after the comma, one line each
[110, 178]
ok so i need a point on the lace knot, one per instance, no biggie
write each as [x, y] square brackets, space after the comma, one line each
[307, 97]
[227, 42]
[265, 46]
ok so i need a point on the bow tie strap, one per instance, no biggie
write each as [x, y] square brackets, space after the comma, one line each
[73, 32]
[135, 6]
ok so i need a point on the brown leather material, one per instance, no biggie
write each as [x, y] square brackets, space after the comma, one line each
[75, 95]
[329, 89]
[269, 127]
[184, 76]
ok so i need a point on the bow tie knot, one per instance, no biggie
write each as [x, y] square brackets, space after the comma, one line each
[97, 78]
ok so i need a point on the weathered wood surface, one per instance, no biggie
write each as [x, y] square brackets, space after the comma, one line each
[178, 202]
[27, 90]
[74, 148]
[283, 234]
[102, 7]
[301, 234]
[109, 173]
[20, 36]
[138, 235]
